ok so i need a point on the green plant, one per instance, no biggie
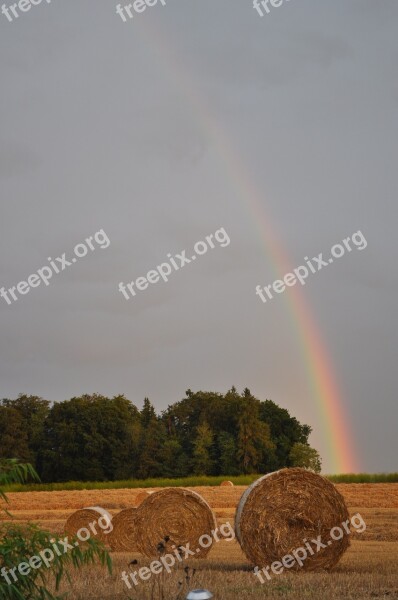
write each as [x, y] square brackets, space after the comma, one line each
[14, 472]
[302, 455]
[19, 543]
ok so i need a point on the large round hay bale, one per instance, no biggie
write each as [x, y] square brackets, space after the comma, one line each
[123, 537]
[174, 517]
[282, 511]
[141, 496]
[226, 484]
[87, 519]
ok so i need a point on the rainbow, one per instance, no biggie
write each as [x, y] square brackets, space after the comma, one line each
[325, 390]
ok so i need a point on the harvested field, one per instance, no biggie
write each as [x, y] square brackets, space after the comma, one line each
[51, 509]
[367, 571]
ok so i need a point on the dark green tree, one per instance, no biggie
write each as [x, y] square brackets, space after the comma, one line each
[14, 442]
[33, 412]
[97, 438]
[228, 464]
[90, 438]
[153, 435]
[201, 460]
[254, 439]
[302, 455]
[285, 432]
[174, 462]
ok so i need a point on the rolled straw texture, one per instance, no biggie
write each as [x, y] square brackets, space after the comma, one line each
[123, 537]
[83, 518]
[141, 496]
[171, 518]
[281, 511]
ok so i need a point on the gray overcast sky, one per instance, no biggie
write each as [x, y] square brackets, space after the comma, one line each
[109, 125]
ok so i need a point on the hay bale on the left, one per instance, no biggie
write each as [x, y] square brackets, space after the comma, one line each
[86, 520]
[174, 517]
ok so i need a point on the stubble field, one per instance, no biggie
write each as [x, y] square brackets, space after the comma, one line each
[368, 570]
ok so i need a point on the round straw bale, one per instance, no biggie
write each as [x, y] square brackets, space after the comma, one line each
[226, 484]
[81, 520]
[124, 533]
[282, 511]
[174, 517]
[140, 497]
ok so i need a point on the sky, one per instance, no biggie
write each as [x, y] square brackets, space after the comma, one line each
[145, 130]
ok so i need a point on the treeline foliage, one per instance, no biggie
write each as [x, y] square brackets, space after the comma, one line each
[94, 438]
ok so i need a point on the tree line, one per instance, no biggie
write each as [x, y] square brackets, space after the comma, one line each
[95, 438]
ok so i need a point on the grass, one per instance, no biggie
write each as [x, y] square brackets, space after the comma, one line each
[186, 482]
[193, 481]
[364, 478]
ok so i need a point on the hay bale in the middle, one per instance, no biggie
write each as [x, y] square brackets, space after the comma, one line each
[123, 537]
[172, 518]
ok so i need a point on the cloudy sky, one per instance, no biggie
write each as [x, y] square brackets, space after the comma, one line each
[144, 129]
